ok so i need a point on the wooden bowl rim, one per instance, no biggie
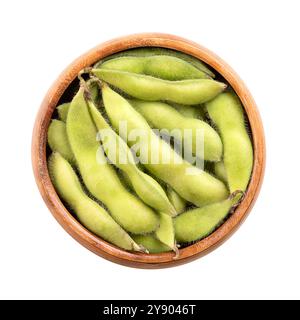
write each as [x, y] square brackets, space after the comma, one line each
[71, 225]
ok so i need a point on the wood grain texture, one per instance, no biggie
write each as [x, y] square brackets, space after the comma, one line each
[71, 225]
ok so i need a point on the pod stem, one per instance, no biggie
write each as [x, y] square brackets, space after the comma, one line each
[86, 91]
[176, 251]
[144, 250]
[83, 71]
[83, 83]
[140, 248]
[234, 194]
[96, 80]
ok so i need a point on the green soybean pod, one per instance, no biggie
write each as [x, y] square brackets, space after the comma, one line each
[165, 233]
[89, 213]
[121, 156]
[58, 140]
[154, 51]
[190, 92]
[198, 223]
[163, 67]
[194, 112]
[63, 110]
[151, 243]
[178, 202]
[125, 180]
[191, 183]
[226, 112]
[178, 125]
[99, 176]
[220, 171]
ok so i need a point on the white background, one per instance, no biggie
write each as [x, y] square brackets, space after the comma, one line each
[259, 39]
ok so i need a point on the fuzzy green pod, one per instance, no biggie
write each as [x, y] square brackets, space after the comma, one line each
[144, 185]
[191, 183]
[125, 180]
[178, 202]
[194, 112]
[163, 67]
[155, 51]
[89, 213]
[99, 176]
[63, 110]
[58, 140]
[226, 112]
[190, 92]
[165, 233]
[150, 243]
[178, 125]
[220, 171]
[198, 223]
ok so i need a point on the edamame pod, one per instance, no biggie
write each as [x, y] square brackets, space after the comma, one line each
[63, 110]
[58, 140]
[121, 156]
[163, 67]
[154, 51]
[220, 171]
[194, 112]
[148, 88]
[226, 112]
[88, 212]
[178, 202]
[180, 126]
[193, 184]
[151, 243]
[125, 180]
[165, 233]
[198, 223]
[99, 176]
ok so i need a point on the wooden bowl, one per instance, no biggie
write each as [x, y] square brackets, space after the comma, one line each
[65, 218]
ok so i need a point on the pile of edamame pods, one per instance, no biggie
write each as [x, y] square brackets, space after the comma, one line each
[137, 204]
